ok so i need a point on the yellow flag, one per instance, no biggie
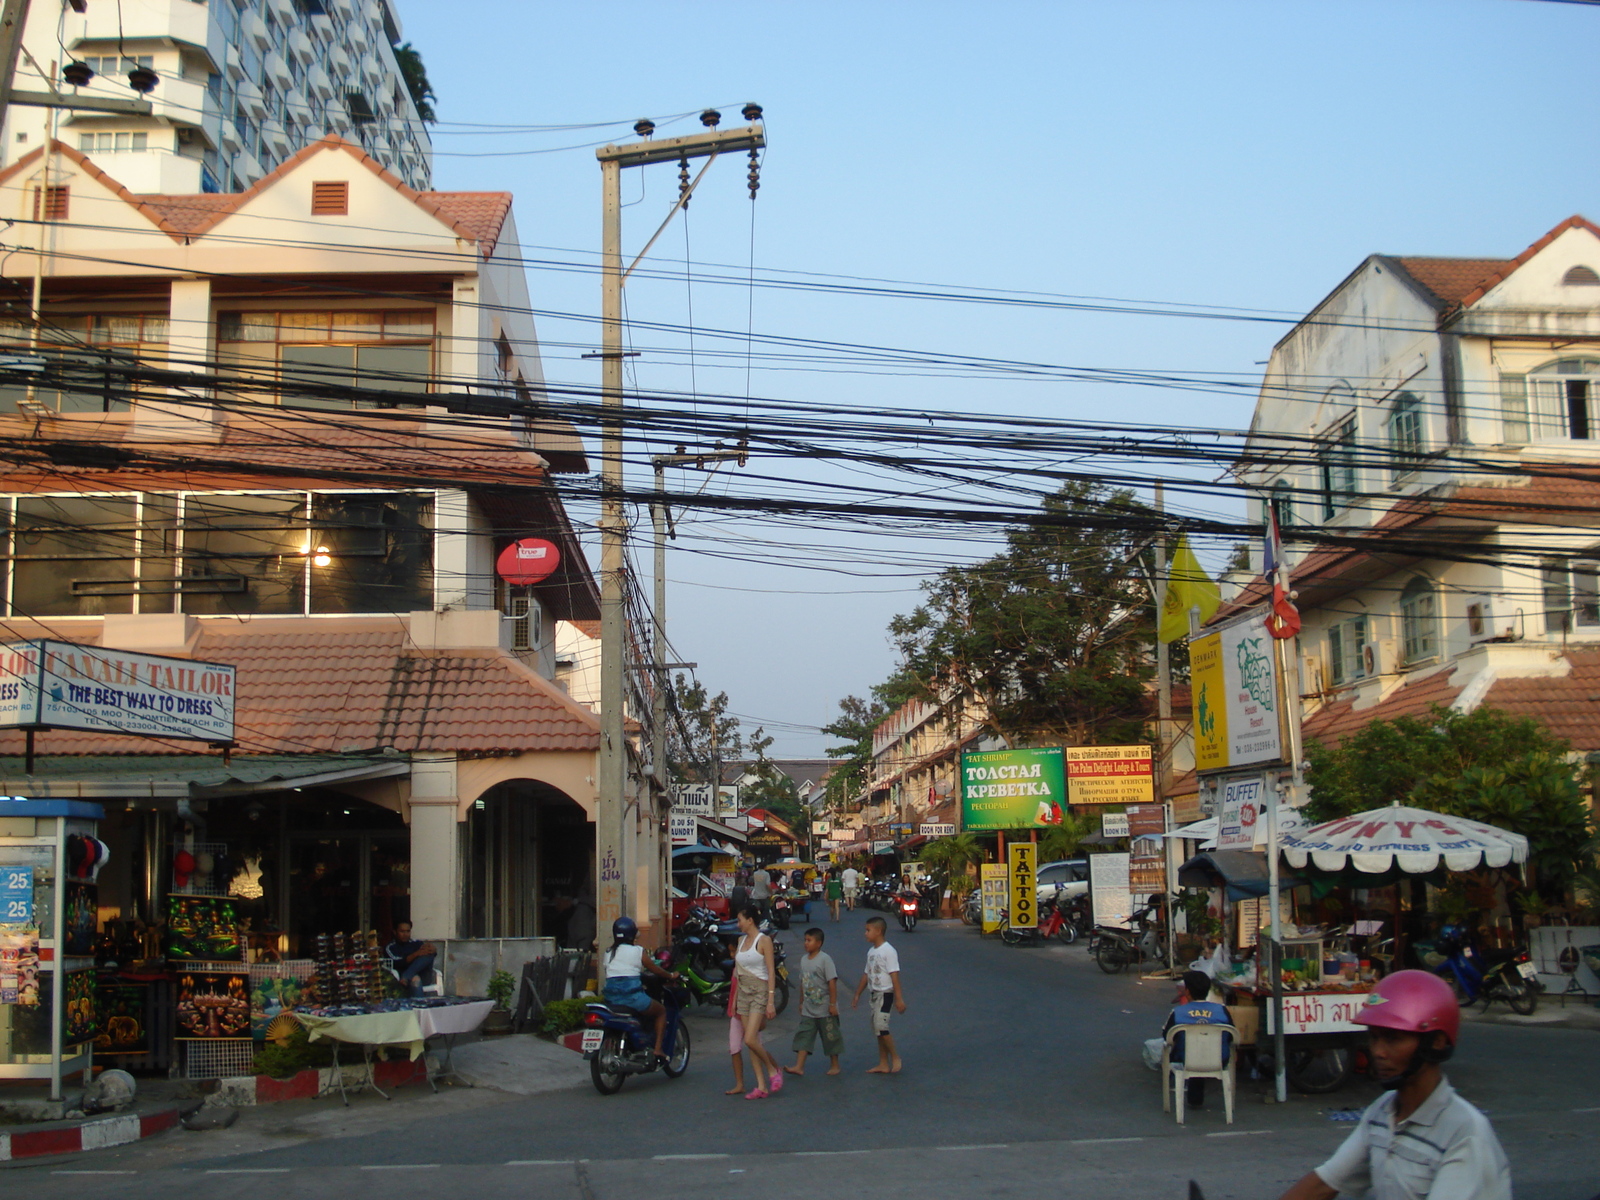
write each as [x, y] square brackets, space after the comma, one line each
[1187, 587]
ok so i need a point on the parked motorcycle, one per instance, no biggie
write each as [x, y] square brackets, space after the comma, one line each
[1116, 949]
[1486, 975]
[906, 905]
[972, 908]
[780, 911]
[617, 1043]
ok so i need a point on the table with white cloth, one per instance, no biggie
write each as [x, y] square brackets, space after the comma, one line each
[407, 1027]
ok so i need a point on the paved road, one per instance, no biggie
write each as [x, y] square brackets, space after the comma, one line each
[1022, 1073]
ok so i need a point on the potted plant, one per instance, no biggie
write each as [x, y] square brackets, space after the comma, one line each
[502, 986]
[1534, 907]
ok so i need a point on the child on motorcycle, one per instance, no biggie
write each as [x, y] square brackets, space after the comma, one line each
[626, 964]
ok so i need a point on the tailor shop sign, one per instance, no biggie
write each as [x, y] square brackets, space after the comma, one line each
[47, 684]
[1012, 789]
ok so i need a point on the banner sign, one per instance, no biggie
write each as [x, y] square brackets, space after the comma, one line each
[822, 827]
[1114, 825]
[1108, 890]
[937, 829]
[61, 685]
[1234, 679]
[900, 829]
[1111, 774]
[1240, 807]
[1012, 789]
[992, 880]
[1147, 861]
[883, 846]
[16, 895]
[684, 827]
[697, 798]
[1023, 858]
[1313, 1013]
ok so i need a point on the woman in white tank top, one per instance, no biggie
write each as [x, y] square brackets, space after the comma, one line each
[754, 979]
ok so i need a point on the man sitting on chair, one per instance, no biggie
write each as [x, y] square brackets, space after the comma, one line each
[1197, 1009]
[412, 961]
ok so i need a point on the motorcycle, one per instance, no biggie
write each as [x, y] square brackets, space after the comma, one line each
[1054, 923]
[1486, 975]
[617, 1043]
[1116, 949]
[780, 911]
[972, 908]
[908, 903]
[728, 935]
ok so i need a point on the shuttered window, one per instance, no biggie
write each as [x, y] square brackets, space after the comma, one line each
[54, 207]
[330, 199]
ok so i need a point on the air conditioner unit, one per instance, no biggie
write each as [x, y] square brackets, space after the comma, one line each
[527, 618]
[1379, 658]
[1311, 675]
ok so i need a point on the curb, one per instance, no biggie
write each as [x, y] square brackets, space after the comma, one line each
[86, 1135]
[248, 1091]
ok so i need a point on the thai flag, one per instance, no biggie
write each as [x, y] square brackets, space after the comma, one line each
[1284, 619]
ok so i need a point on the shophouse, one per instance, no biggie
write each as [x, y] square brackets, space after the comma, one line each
[1430, 437]
[236, 88]
[292, 430]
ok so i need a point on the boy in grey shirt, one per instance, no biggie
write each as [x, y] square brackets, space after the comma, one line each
[819, 1007]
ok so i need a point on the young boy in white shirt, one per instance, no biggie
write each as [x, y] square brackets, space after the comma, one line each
[883, 974]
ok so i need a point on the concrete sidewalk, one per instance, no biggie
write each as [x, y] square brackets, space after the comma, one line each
[521, 1064]
[1576, 1013]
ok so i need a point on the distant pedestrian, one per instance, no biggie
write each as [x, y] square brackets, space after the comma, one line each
[754, 980]
[835, 894]
[819, 1007]
[852, 885]
[760, 891]
[883, 978]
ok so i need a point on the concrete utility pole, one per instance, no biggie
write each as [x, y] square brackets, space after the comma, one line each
[612, 895]
[13, 19]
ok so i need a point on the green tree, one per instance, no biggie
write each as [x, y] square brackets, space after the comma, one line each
[772, 789]
[1486, 765]
[1066, 839]
[700, 732]
[409, 59]
[853, 729]
[1052, 636]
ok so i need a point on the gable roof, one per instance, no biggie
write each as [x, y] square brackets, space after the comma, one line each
[476, 217]
[1456, 283]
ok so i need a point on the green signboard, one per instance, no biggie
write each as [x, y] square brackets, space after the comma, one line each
[1012, 789]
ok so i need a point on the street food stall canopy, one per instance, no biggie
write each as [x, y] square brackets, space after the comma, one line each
[1242, 872]
[1400, 840]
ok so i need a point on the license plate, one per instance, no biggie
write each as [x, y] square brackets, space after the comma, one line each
[592, 1039]
[1527, 970]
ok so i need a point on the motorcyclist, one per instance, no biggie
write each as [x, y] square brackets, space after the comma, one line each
[1419, 1139]
[626, 964]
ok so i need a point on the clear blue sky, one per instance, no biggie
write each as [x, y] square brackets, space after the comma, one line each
[1220, 154]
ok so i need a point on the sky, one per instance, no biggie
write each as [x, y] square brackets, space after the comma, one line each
[1225, 155]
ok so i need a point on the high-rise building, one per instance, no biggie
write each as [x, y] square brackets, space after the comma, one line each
[241, 86]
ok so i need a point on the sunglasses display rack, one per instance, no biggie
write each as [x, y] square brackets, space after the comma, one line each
[349, 969]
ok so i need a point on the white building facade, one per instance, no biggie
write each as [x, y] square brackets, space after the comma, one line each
[1441, 417]
[242, 85]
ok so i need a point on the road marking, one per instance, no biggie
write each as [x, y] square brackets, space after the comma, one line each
[401, 1167]
[978, 1146]
[540, 1162]
[1103, 1141]
[1586, 1110]
[94, 1172]
[825, 1153]
[685, 1157]
[1239, 1133]
[248, 1171]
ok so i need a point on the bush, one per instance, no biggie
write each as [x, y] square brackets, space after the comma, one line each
[562, 1016]
[298, 1055]
[502, 985]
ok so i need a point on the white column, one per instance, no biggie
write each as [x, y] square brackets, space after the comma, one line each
[190, 347]
[435, 868]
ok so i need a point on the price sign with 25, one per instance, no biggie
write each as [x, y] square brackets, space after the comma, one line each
[16, 895]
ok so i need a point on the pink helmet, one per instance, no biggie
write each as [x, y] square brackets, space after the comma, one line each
[1413, 1002]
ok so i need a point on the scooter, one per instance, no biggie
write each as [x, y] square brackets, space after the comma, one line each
[1488, 975]
[617, 1043]
[907, 904]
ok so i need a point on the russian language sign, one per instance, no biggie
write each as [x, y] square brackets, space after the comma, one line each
[1111, 775]
[1236, 702]
[61, 685]
[1012, 789]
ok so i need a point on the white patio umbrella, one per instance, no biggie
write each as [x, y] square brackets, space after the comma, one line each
[1412, 840]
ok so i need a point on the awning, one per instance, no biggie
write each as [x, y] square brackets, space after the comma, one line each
[188, 776]
[1242, 872]
[1200, 831]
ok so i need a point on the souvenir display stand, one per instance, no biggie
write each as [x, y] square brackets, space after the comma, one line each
[49, 858]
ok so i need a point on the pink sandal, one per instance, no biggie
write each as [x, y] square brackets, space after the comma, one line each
[756, 1094]
[777, 1082]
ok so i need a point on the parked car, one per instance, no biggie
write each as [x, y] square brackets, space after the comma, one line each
[1072, 872]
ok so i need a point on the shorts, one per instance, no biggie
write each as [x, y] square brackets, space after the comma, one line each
[805, 1037]
[850, 893]
[751, 1001]
[627, 993]
[882, 1008]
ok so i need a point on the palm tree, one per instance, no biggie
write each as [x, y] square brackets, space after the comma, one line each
[1063, 840]
[953, 855]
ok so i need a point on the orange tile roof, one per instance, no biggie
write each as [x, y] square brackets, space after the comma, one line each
[323, 686]
[1449, 279]
[1567, 707]
[1332, 723]
[476, 216]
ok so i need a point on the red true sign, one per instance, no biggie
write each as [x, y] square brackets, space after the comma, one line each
[528, 561]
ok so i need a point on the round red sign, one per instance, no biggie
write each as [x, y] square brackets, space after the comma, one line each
[528, 561]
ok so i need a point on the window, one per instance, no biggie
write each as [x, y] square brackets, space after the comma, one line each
[1513, 408]
[92, 379]
[1562, 394]
[1571, 594]
[316, 357]
[1282, 501]
[1336, 461]
[73, 556]
[1405, 435]
[331, 199]
[115, 143]
[1419, 621]
[111, 65]
[1346, 663]
[54, 207]
[1581, 277]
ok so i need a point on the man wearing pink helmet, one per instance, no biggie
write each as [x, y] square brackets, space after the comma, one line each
[1419, 1139]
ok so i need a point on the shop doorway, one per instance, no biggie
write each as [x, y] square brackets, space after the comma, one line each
[524, 843]
[348, 869]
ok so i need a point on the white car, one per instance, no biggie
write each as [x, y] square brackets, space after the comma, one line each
[1073, 873]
